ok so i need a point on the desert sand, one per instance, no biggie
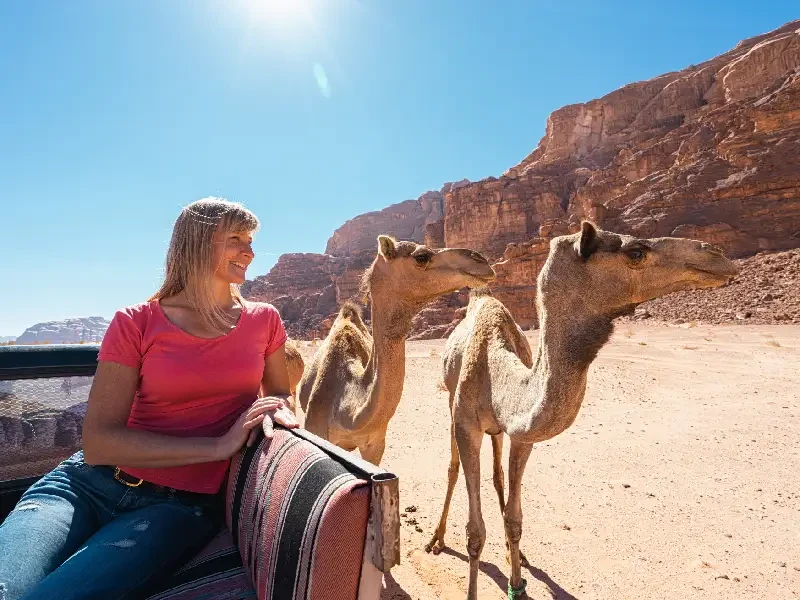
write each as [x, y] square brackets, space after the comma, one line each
[679, 479]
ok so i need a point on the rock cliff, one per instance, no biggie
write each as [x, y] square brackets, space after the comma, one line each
[709, 152]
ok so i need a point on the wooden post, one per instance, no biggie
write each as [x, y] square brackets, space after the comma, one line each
[383, 529]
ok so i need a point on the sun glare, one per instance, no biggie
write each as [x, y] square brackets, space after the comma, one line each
[277, 12]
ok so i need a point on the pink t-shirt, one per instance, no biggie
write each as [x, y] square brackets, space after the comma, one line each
[190, 386]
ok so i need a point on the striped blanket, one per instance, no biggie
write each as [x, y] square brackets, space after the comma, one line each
[296, 520]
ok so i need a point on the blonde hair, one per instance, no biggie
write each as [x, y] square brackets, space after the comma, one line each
[189, 265]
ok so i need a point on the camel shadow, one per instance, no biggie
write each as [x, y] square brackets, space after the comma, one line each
[557, 592]
[393, 591]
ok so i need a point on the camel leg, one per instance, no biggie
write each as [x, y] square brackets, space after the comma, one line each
[469, 449]
[373, 451]
[497, 466]
[512, 517]
[499, 480]
[437, 541]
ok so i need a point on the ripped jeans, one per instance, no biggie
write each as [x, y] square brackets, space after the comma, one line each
[80, 533]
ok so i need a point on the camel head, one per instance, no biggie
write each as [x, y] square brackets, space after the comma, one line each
[607, 273]
[416, 274]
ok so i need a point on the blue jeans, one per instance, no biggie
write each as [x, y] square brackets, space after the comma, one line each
[80, 533]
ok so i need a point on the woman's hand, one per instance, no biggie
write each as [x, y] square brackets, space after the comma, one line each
[282, 416]
[245, 430]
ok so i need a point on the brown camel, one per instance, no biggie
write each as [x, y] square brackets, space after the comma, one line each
[353, 385]
[497, 387]
[295, 366]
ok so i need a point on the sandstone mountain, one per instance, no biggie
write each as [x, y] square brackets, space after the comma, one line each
[709, 152]
[68, 331]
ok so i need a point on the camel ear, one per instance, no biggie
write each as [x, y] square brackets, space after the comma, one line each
[386, 247]
[588, 243]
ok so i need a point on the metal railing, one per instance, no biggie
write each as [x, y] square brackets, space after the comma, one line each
[46, 361]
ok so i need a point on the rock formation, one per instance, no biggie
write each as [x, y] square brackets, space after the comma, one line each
[68, 331]
[709, 152]
[295, 275]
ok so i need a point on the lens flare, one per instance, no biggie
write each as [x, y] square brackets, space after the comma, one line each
[322, 80]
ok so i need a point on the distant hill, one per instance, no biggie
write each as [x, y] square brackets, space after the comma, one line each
[68, 331]
[7, 338]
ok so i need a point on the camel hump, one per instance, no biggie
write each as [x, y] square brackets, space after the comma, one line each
[351, 312]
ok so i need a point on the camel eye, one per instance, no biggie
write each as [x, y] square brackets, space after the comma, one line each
[635, 254]
[422, 259]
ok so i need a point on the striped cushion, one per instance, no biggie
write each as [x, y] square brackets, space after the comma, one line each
[216, 572]
[298, 518]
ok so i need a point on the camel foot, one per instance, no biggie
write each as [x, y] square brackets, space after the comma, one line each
[435, 546]
[518, 592]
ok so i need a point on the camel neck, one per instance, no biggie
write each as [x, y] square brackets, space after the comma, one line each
[385, 371]
[571, 342]
[556, 385]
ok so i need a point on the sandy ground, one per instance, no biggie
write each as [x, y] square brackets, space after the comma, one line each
[679, 479]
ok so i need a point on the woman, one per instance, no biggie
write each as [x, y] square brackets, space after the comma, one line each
[183, 382]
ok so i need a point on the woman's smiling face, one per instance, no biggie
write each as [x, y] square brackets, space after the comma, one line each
[233, 253]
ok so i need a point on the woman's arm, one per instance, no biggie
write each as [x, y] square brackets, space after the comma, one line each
[275, 381]
[275, 385]
[107, 440]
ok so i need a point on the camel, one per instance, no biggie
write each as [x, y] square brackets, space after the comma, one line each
[352, 387]
[295, 366]
[497, 386]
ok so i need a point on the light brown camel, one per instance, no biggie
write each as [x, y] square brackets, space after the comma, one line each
[497, 387]
[353, 385]
[295, 366]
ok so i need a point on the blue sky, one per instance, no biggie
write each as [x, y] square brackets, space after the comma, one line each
[114, 115]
